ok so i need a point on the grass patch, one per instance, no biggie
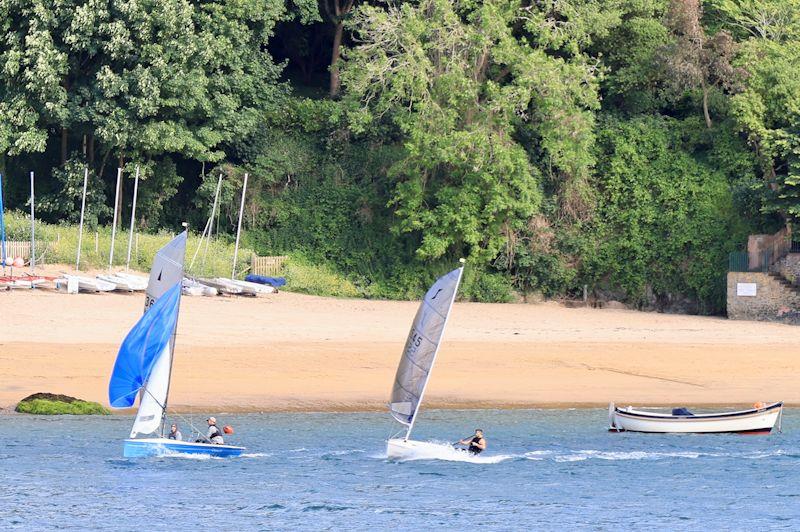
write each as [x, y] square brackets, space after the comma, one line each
[51, 405]
[58, 244]
[304, 277]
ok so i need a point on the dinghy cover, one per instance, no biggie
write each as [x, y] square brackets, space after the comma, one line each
[141, 349]
[421, 347]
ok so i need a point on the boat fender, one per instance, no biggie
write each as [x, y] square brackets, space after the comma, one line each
[227, 429]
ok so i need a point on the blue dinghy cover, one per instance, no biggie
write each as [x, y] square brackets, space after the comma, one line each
[141, 348]
[682, 411]
[275, 282]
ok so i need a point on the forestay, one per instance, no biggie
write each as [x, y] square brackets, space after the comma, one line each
[421, 348]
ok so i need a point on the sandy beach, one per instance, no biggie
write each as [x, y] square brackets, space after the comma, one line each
[296, 352]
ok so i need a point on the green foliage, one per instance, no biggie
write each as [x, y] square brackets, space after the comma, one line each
[464, 128]
[65, 202]
[306, 277]
[58, 244]
[666, 220]
[45, 407]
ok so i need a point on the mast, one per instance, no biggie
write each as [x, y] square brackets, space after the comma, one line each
[2, 227]
[114, 223]
[133, 218]
[185, 226]
[80, 227]
[33, 231]
[239, 228]
[436, 351]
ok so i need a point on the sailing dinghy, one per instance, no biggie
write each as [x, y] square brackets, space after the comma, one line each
[758, 420]
[144, 363]
[416, 364]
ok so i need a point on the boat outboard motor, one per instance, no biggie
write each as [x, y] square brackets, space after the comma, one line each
[682, 411]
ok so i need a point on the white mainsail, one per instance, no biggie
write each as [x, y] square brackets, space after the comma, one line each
[167, 270]
[421, 348]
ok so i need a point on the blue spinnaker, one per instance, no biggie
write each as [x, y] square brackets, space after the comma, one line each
[142, 347]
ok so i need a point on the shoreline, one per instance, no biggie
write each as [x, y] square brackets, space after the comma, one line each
[296, 353]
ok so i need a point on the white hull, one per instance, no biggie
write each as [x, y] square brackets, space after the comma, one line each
[87, 284]
[756, 420]
[126, 283]
[224, 286]
[400, 449]
[24, 283]
[190, 287]
[253, 288]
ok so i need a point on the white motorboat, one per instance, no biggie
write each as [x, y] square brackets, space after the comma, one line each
[760, 419]
[416, 364]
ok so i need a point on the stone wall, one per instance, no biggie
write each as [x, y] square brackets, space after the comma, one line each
[789, 268]
[775, 298]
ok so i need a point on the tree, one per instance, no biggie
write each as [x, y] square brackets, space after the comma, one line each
[695, 60]
[463, 81]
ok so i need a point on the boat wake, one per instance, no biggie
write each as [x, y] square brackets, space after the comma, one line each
[436, 450]
[590, 454]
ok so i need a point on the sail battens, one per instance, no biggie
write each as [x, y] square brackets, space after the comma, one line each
[422, 344]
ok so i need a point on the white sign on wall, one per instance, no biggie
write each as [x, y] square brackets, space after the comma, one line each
[746, 289]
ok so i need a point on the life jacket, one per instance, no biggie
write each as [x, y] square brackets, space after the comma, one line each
[215, 434]
[473, 448]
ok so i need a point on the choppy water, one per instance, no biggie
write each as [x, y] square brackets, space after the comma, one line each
[545, 469]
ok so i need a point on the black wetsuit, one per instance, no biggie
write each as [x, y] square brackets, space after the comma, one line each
[473, 448]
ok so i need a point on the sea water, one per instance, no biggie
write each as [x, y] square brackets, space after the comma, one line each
[545, 469]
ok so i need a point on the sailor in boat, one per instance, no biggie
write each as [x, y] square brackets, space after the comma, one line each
[214, 434]
[174, 433]
[476, 443]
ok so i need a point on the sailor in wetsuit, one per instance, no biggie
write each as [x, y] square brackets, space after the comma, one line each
[476, 444]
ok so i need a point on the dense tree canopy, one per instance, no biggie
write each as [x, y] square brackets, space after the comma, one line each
[621, 146]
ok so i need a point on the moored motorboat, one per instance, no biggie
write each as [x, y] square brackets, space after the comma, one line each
[148, 447]
[760, 419]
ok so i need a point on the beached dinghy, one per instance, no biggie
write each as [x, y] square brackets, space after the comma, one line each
[144, 363]
[88, 284]
[255, 289]
[416, 364]
[125, 282]
[761, 419]
[194, 288]
[223, 286]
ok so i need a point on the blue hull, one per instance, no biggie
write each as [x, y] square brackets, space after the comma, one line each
[150, 447]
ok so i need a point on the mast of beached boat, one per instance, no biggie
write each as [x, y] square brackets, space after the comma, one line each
[33, 231]
[207, 229]
[2, 228]
[133, 218]
[114, 222]
[80, 226]
[239, 228]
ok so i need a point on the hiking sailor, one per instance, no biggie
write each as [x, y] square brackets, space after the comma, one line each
[476, 444]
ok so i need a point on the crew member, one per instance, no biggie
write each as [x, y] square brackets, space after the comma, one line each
[476, 443]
